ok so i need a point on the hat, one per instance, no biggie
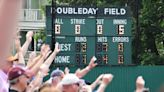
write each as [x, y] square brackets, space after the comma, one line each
[15, 72]
[70, 79]
[56, 73]
[12, 58]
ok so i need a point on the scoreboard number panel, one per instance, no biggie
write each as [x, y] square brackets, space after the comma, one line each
[121, 29]
[120, 47]
[99, 29]
[83, 47]
[77, 29]
[57, 29]
[105, 35]
[120, 59]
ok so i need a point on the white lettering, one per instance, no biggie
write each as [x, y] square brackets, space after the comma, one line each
[70, 10]
[65, 47]
[80, 39]
[120, 21]
[58, 21]
[59, 10]
[120, 39]
[77, 21]
[62, 59]
[114, 11]
[99, 21]
[102, 39]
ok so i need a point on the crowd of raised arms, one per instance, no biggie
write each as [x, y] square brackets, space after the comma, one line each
[18, 75]
[28, 76]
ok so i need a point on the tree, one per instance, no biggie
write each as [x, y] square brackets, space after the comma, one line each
[152, 35]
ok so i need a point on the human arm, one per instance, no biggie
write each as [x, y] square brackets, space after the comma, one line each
[83, 72]
[107, 78]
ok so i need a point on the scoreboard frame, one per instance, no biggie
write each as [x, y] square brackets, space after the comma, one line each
[119, 20]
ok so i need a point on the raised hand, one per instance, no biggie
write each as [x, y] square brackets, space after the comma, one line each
[45, 49]
[92, 63]
[107, 78]
[17, 43]
[100, 78]
[57, 49]
[29, 36]
[66, 70]
[32, 55]
[140, 83]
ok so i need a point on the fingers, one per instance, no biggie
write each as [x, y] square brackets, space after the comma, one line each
[140, 82]
[107, 78]
[45, 50]
[92, 63]
[32, 55]
[57, 49]
[66, 70]
[95, 64]
[29, 34]
[101, 76]
[17, 43]
[43, 47]
[93, 59]
[48, 53]
[78, 70]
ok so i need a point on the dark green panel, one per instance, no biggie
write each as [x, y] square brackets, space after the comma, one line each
[68, 28]
[48, 23]
[90, 26]
[110, 28]
[73, 49]
[125, 77]
[112, 51]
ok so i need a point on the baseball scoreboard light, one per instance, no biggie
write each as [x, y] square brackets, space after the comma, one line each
[83, 32]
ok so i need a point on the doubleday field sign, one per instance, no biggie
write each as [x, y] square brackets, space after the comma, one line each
[90, 11]
[83, 32]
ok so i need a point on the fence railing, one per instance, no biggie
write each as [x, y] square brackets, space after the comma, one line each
[31, 15]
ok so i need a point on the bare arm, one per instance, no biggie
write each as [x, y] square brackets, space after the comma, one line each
[26, 44]
[96, 82]
[83, 72]
[107, 78]
[33, 62]
[140, 84]
[52, 56]
[32, 56]
[44, 69]
[37, 81]
[36, 67]
[45, 51]
[19, 51]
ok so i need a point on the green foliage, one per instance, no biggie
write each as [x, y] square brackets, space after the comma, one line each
[152, 32]
[152, 59]
[40, 35]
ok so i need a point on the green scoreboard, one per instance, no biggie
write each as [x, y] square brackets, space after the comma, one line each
[83, 32]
